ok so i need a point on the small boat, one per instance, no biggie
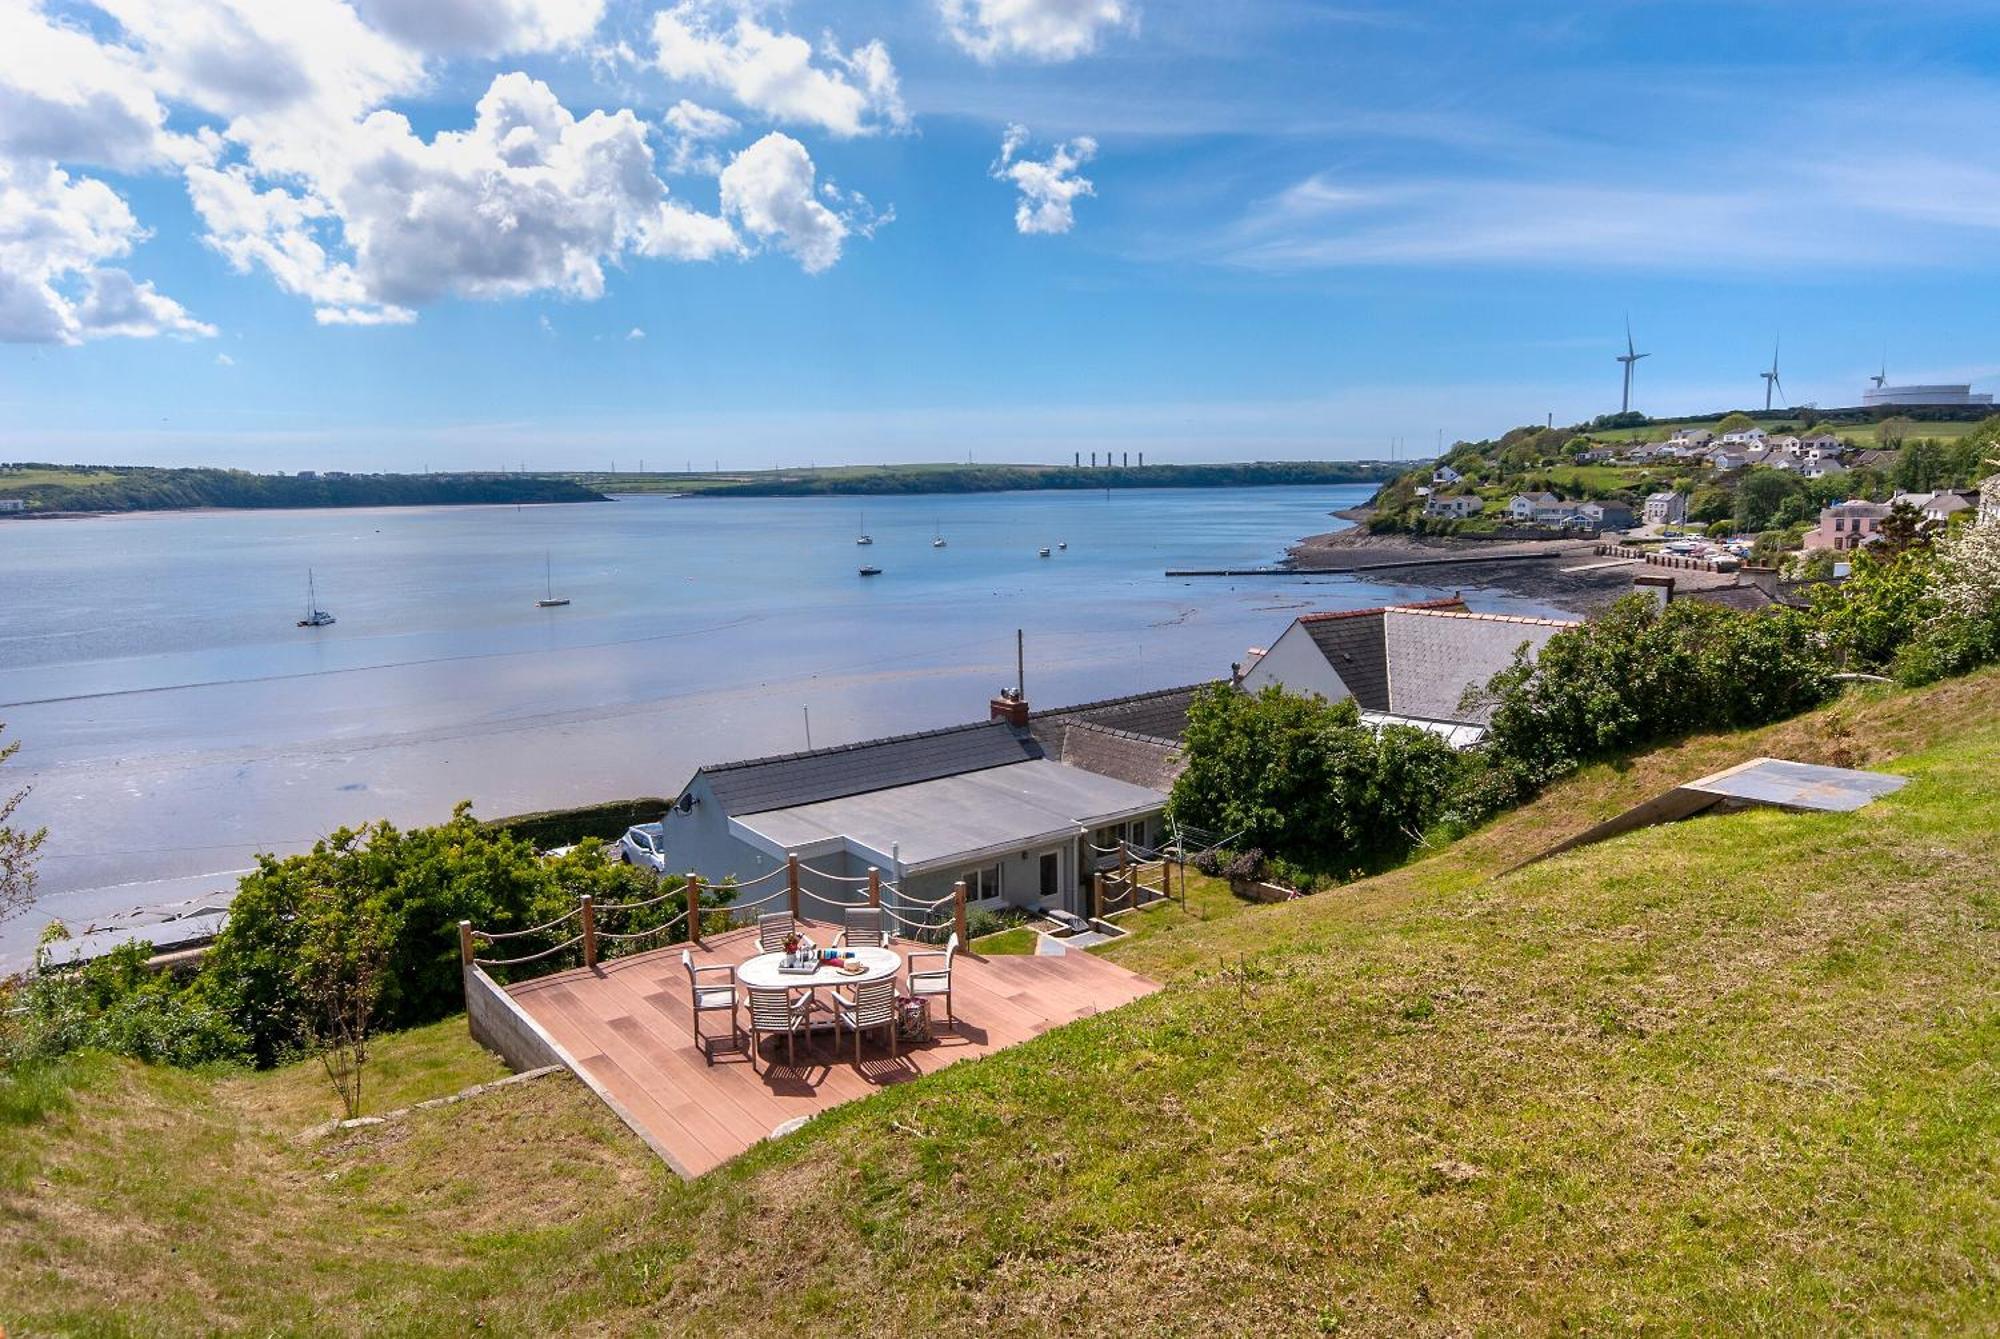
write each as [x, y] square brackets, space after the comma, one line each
[1043, 553]
[551, 600]
[316, 617]
[864, 537]
[1062, 543]
[871, 571]
[937, 536]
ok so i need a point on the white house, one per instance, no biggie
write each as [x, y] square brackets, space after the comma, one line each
[1540, 508]
[1744, 437]
[1445, 474]
[13, 504]
[1725, 460]
[1666, 508]
[1454, 506]
[1693, 436]
[1815, 468]
[1403, 664]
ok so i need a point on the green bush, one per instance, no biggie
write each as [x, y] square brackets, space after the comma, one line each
[118, 1004]
[1304, 780]
[1642, 673]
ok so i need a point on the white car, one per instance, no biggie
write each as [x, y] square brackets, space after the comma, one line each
[645, 845]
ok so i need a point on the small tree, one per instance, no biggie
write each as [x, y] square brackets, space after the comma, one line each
[17, 847]
[343, 956]
[1891, 432]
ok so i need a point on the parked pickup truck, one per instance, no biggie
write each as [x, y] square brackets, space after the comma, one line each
[645, 845]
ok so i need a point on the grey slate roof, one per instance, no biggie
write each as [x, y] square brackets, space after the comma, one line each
[1152, 763]
[1354, 644]
[1435, 655]
[760, 784]
[1161, 714]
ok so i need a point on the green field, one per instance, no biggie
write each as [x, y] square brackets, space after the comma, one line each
[940, 477]
[1860, 434]
[1736, 1074]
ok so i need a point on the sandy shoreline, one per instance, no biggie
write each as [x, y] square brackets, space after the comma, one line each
[1536, 569]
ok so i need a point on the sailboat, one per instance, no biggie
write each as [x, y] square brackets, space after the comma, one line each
[863, 537]
[937, 535]
[316, 617]
[551, 600]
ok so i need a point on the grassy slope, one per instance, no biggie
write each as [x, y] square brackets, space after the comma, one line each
[1739, 1072]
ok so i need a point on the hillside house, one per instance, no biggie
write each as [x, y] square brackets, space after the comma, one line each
[1821, 469]
[1454, 506]
[1539, 509]
[1402, 664]
[1939, 507]
[1668, 508]
[1010, 805]
[13, 504]
[1445, 474]
[1745, 437]
[1726, 459]
[1692, 437]
[1605, 515]
[1847, 525]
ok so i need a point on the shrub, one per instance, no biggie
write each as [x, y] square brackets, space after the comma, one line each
[118, 1004]
[1305, 780]
[1245, 866]
[1642, 673]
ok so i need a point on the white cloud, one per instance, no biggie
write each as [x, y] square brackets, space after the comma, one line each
[224, 360]
[1047, 30]
[1049, 187]
[722, 44]
[66, 97]
[56, 233]
[692, 130]
[635, 333]
[529, 199]
[769, 190]
[484, 27]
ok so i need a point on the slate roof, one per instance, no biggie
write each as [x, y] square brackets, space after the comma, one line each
[1435, 655]
[1161, 714]
[760, 784]
[1353, 643]
[1153, 763]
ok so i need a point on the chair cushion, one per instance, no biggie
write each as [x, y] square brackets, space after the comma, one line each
[714, 997]
[930, 985]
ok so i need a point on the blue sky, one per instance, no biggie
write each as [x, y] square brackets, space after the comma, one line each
[287, 236]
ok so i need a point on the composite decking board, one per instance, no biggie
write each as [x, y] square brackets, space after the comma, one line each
[630, 1023]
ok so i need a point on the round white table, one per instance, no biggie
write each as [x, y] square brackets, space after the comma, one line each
[762, 971]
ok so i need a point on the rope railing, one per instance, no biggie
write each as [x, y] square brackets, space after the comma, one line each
[637, 906]
[494, 936]
[571, 942]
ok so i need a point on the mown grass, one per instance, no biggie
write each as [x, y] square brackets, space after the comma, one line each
[1736, 1074]
[1005, 943]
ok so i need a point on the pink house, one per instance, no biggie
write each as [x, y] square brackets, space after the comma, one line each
[1847, 525]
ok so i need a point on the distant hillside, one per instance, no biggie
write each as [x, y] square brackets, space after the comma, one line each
[68, 488]
[911, 479]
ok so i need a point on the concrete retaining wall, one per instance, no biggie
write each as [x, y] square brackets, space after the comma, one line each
[500, 1026]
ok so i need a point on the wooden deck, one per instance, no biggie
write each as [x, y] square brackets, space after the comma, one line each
[627, 1027]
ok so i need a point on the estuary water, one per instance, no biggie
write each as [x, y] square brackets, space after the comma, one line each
[174, 721]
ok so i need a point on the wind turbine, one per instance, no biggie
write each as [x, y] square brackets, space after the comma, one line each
[1882, 378]
[1771, 378]
[1629, 357]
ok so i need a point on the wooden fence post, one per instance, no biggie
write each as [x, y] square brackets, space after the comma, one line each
[958, 914]
[874, 886]
[588, 912]
[694, 908]
[1124, 865]
[465, 943]
[792, 883]
[1097, 895]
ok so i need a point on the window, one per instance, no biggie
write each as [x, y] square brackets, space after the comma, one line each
[981, 884]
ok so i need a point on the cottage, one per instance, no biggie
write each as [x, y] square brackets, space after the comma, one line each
[1445, 474]
[1666, 508]
[1744, 437]
[1814, 468]
[1693, 436]
[1013, 806]
[1824, 444]
[1725, 460]
[13, 504]
[1848, 525]
[1402, 664]
[1454, 506]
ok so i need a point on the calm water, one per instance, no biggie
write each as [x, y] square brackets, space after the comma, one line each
[174, 721]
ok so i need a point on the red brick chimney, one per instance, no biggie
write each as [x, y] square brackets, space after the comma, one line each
[1010, 706]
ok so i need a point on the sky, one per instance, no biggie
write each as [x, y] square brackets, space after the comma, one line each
[444, 234]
